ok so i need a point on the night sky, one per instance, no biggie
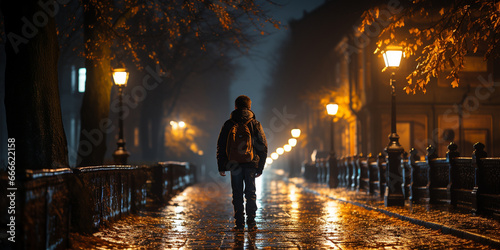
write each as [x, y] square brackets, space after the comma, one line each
[255, 68]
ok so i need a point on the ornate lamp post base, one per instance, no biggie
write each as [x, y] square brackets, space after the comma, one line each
[121, 155]
[393, 195]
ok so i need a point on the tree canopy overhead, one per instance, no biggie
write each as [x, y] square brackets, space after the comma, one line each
[440, 34]
[167, 35]
[134, 25]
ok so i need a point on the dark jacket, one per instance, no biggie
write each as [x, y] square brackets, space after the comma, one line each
[258, 141]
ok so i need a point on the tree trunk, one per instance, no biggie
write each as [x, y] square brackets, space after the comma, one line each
[151, 117]
[95, 123]
[32, 101]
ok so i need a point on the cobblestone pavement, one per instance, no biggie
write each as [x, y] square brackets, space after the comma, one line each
[456, 221]
[288, 217]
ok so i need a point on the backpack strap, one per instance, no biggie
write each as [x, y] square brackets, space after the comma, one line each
[247, 122]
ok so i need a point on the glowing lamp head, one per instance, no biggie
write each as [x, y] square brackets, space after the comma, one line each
[295, 133]
[292, 142]
[120, 77]
[332, 109]
[287, 148]
[392, 56]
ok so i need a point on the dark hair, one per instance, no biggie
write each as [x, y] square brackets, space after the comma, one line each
[243, 102]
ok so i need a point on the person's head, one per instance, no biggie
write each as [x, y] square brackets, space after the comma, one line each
[243, 102]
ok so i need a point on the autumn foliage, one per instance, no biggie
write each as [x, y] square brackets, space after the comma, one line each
[440, 34]
[134, 26]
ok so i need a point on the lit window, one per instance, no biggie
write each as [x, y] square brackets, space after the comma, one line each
[82, 76]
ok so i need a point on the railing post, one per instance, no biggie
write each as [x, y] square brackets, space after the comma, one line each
[355, 172]
[477, 164]
[348, 171]
[450, 156]
[381, 174]
[334, 171]
[406, 176]
[412, 158]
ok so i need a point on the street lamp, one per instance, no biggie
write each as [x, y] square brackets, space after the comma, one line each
[294, 170]
[393, 191]
[120, 78]
[269, 160]
[333, 180]
[274, 156]
[280, 151]
[332, 109]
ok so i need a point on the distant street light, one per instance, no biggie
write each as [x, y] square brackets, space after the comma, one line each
[269, 161]
[287, 148]
[333, 182]
[280, 151]
[120, 78]
[295, 133]
[275, 156]
[332, 109]
[393, 190]
[177, 125]
[293, 142]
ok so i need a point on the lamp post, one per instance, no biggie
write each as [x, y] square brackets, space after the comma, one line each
[120, 78]
[294, 169]
[393, 191]
[333, 180]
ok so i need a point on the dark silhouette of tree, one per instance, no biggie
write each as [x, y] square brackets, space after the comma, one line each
[165, 34]
[32, 105]
[440, 33]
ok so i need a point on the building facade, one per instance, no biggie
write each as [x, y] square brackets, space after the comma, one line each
[346, 71]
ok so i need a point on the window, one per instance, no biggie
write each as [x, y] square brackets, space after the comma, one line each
[82, 77]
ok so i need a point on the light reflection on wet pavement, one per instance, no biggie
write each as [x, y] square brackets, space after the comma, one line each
[288, 217]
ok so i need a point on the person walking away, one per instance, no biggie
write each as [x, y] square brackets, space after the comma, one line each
[242, 150]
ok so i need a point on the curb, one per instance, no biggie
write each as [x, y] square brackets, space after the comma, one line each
[431, 225]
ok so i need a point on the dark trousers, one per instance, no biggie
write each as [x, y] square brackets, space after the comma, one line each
[243, 182]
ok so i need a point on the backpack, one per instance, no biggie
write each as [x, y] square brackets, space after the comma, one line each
[239, 143]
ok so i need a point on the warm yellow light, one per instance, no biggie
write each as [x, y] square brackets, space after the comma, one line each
[292, 142]
[120, 76]
[269, 161]
[182, 124]
[392, 56]
[275, 156]
[174, 124]
[295, 132]
[200, 152]
[287, 148]
[332, 109]
[280, 151]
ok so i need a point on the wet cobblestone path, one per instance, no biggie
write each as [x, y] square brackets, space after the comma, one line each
[288, 217]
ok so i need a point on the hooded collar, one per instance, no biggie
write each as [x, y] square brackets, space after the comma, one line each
[241, 115]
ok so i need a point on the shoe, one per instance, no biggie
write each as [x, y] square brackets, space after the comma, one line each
[252, 225]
